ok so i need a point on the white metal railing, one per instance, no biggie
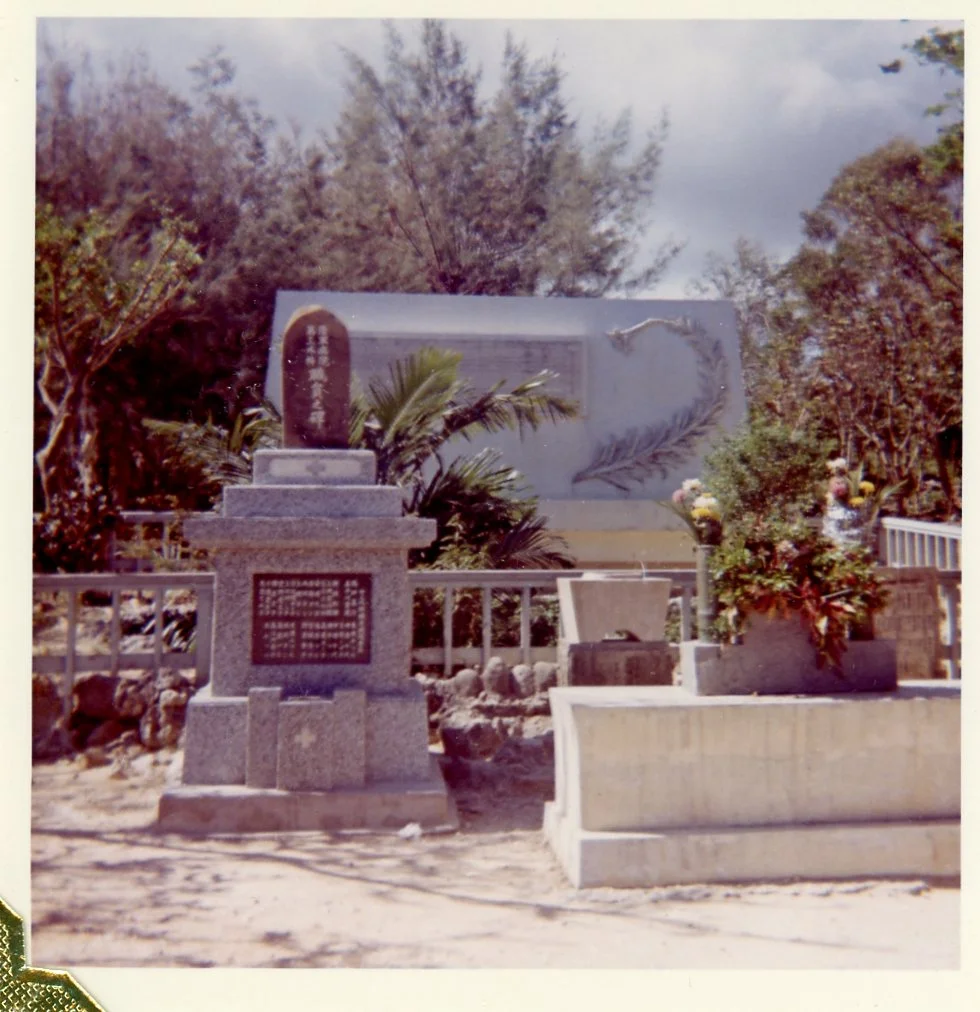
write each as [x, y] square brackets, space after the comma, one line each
[71, 662]
[527, 581]
[906, 543]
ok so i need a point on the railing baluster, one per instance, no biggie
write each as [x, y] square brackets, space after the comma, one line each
[686, 623]
[202, 638]
[72, 620]
[115, 632]
[526, 625]
[447, 632]
[158, 628]
[951, 602]
[487, 601]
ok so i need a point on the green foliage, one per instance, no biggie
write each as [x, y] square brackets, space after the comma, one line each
[485, 517]
[97, 289]
[212, 456]
[881, 284]
[766, 470]
[783, 569]
[505, 613]
[75, 533]
[435, 188]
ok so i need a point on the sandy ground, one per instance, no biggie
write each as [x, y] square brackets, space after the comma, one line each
[109, 890]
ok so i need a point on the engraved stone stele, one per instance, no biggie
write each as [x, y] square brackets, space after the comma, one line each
[315, 381]
[311, 719]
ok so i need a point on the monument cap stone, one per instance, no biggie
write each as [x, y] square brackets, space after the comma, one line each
[315, 381]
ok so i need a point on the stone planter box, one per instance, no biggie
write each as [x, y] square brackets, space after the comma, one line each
[776, 657]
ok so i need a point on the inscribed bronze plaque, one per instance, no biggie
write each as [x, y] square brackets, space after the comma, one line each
[311, 618]
[315, 381]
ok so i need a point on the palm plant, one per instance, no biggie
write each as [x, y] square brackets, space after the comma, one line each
[486, 518]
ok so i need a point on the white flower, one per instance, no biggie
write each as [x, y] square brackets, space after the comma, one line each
[837, 466]
[706, 502]
[692, 485]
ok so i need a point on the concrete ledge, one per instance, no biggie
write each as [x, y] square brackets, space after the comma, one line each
[248, 533]
[311, 501]
[231, 809]
[744, 854]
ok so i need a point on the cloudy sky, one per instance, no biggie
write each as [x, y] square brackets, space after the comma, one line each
[762, 113]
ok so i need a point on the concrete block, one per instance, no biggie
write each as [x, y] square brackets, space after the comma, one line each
[305, 757]
[262, 745]
[593, 607]
[745, 854]
[349, 738]
[397, 736]
[615, 662]
[776, 656]
[659, 764]
[215, 737]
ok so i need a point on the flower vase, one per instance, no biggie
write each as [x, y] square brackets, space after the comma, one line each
[706, 595]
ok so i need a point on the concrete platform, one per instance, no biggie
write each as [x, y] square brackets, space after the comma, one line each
[752, 854]
[656, 786]
[239, 809]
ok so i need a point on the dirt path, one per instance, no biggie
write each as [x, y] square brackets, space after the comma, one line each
[110, 891]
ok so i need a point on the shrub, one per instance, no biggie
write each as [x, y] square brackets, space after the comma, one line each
[74, 535]
[764, 470]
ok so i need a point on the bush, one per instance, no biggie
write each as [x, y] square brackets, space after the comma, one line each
[781, 569]
[765, 470]
[74, 535]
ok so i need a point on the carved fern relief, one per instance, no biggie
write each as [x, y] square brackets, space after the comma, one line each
[631, 458]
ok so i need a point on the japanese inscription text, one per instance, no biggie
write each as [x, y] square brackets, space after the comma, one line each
[311, 618]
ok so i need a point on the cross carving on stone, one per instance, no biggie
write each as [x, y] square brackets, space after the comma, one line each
[305, 738]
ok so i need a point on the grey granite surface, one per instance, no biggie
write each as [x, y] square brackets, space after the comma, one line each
[312, 501]
[262, 746]
[314, 467]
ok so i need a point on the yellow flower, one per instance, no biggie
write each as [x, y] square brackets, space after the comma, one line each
[866, 487]
[704, 513]
[857, 500]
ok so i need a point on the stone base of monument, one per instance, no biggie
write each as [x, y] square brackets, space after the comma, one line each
[656, 786]
[375, 806]
[615, 662]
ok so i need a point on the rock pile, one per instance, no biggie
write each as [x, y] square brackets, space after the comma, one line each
[145, 708]
[476, 714]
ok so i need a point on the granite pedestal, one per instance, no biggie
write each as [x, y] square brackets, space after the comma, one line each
[310, 719]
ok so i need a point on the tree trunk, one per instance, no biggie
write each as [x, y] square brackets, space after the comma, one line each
[55, 460]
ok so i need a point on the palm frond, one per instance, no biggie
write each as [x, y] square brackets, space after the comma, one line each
[631, 458]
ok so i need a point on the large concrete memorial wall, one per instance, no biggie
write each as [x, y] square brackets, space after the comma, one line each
[655, 380]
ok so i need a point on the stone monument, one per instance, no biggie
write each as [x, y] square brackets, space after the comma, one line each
[311, 720]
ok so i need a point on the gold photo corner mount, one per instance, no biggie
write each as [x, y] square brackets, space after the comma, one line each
[23, 986]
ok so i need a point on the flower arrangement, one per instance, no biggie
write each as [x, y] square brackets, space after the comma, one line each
[699, 510]
[852, 505]
[785, 569]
